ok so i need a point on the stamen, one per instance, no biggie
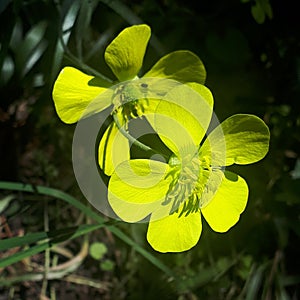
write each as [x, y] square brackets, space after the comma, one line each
[130, 100]
[183, 187]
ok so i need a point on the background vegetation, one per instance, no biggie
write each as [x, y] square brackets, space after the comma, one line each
[251, 50]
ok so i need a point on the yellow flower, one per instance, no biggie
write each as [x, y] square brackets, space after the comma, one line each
[194, 182]
[77, 95]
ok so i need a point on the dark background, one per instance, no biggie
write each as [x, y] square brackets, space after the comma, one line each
[251, 50]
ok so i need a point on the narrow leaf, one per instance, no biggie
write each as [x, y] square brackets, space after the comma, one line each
[90, 213]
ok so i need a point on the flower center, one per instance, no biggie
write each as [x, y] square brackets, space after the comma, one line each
[130, 100]
[189, 185]
[185, 179]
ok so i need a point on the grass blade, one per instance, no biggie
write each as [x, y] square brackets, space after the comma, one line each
[81, 230]
[14, 186]
[31, 238]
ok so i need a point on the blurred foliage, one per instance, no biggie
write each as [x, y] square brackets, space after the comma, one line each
[251, 50]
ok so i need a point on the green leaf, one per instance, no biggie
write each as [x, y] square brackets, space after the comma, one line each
[265, 4]
[246, 139]
[6, 37]
[65, 235]
[258, 13]
[4, 202]
[98, 250]
[34, 57]
[125, 54]
[107, 265]
[7, 70]
[30, 238]
[224, 209]
[183, 66]
[22, 240]
[255, 280]
[13, 186]
[83, 23]
[70, 11]
[16, 37]
[69, 18]
[31, 47]
[77, 95]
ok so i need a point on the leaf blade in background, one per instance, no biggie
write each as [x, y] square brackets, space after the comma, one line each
[4, 202]
[13, 186]
[16, 257]
[31, 48]
[68, 16]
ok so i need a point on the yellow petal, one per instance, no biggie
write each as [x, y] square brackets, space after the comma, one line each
[113, 149]
[131, 212]
[181, 65]
[173, 234]
[125, 53]
[74, 92]
[137, 188]
[182, 118]
[224, 210]
[240, 139]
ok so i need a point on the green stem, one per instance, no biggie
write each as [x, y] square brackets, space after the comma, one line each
[79, 62]
[84, 66]
[130, 137]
